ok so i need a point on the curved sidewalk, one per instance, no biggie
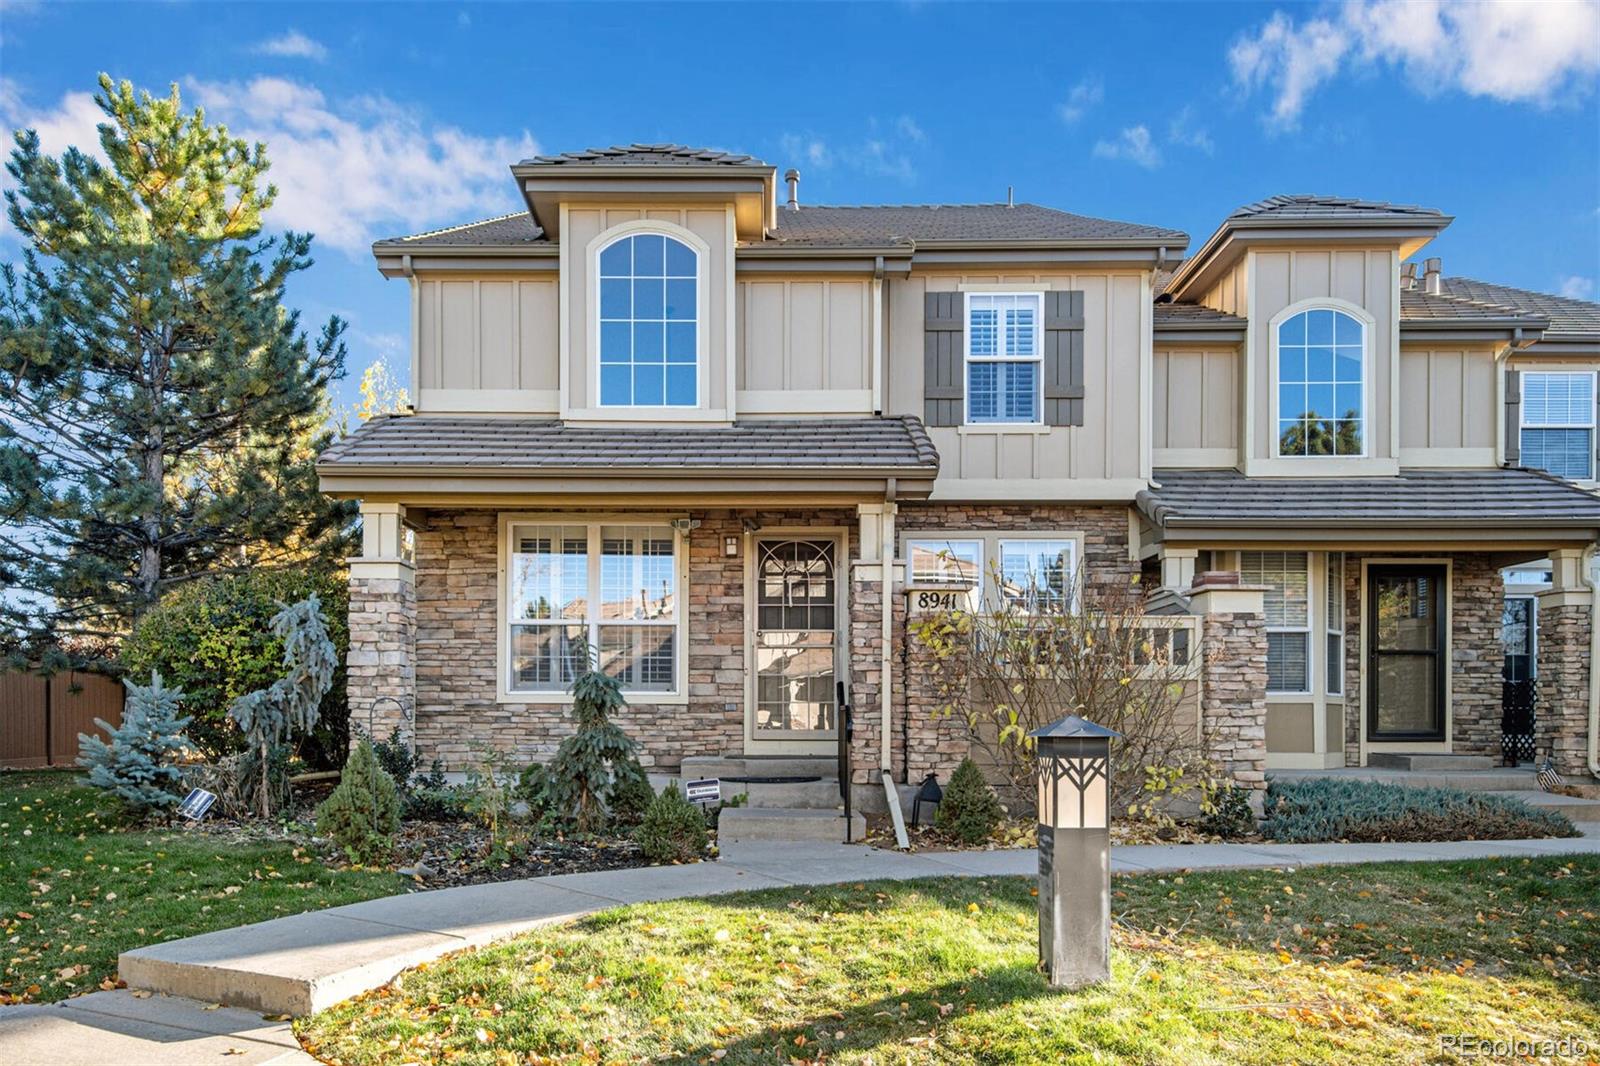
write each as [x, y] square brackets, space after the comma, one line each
[307, 962]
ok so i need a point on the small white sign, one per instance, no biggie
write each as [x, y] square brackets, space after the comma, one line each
[938, 599]
[197, 804]
[705, 790]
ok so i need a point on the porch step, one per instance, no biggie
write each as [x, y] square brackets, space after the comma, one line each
[1576, 808]
[726, 766]
[742, 824]
[820, 795]
[1426, 763]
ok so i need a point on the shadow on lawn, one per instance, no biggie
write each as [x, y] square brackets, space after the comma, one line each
[867, 1025]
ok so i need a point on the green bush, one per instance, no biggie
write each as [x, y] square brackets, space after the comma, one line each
[398, 758]
[214, 640]
[136, 762]
[969, 810]
[593, 767]
[1317, 809]
[672, 830]
[446, 803]
[630, 797]
[363, 813]
[1225, 811]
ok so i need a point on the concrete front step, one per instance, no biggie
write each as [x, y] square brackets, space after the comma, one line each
[1575, 808]
[743, 824]
[802, 795]
[1424, 762]
[725, 766]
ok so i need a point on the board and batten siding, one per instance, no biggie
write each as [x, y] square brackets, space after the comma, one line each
[804, 346]
[1367, 278]
[1448, 406]
[1231, 294]
[1105, 458]
[713, 225]
[486, 344]
[1195, 400]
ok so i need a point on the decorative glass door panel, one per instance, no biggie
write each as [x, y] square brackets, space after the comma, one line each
[1406, 653]
[796, 638]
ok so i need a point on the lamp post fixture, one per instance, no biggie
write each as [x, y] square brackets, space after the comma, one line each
[1075, 851]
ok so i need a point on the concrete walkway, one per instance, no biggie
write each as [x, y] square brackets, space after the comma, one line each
[308, 962]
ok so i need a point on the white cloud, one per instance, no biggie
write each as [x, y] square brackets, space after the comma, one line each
[1182, 130]
[1134, 145]
[1577, 287]
[887, 150]
[908, 128]
[1513, 51]
[73, 122]
[807, 150]
[353, 171]
[292, 45]
[1084, 97]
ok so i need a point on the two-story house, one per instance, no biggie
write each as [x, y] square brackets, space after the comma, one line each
[671, 413]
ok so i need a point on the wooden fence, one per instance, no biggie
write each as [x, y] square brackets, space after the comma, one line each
[40, 718]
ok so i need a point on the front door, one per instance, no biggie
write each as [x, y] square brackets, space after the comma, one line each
[1407, 652]
[795, 645]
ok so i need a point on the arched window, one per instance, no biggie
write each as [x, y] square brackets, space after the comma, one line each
[648, 322]
[1322, 363]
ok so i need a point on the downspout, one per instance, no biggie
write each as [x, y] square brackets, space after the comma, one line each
[886, 668]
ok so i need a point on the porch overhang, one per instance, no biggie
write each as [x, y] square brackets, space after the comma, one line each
[1516, 512]
[441, 460]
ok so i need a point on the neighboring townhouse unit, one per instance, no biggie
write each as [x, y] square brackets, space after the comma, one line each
[718, 435]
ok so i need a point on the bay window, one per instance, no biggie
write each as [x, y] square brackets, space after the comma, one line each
[611, 588]
[1288, 616]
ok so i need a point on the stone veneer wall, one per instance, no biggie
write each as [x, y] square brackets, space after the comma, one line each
[1561, 718]
[1233, 703]
[1476, 656]
[381, 660]
[457, 557]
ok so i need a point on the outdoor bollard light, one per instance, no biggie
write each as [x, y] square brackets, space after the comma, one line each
[1075, 851]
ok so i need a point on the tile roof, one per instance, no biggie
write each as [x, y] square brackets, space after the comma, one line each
[1194, 315]
[1566, 315]
[1300, 207]
[504, 231]
[815, 225]
[1487, 497]
[442, 443]
[644, 155]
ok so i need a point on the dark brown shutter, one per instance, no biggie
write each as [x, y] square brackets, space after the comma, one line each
[943, 390]
[1063, 358]
[1513, 418]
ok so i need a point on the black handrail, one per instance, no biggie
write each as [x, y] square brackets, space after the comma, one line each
[845, 728]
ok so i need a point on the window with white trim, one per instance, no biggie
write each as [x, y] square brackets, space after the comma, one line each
[1035, 574]
[1335, 609]
[610, 587]
[1321, 358]
[1558, 423]
[1003, 354]
[1288, 616]
[648, 322]
[948, 559]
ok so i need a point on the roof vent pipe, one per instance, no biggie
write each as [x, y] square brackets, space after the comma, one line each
[1011, 198]
[1430, 276]
[792, 176]
[1408, 276]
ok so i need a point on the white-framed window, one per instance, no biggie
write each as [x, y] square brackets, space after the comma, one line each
[1003, 356]
[648, 322]
[1321, 360]
[1335, 636]
[948, 559]
[1558, 422]
[1288, 616]
[613, 587]
[1036, 574]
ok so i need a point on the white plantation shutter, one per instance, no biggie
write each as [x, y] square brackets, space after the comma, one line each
[1288, 615]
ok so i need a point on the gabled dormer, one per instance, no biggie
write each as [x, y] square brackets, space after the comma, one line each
[1315, 283]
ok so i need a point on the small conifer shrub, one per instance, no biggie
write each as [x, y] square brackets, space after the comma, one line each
[596, 765]
[673, 829]
[362, 815]
[969, 810]
[137, 763]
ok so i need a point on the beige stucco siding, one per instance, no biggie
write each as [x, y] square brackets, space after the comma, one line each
[1104, 456]
[1448, 406]
[584, 228]
[804, 345]
[491, 336]
[1195, 401]
[1362, 278]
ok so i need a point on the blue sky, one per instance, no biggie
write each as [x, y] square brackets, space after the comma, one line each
[386, 119]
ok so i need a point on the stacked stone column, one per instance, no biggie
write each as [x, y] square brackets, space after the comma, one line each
[381, 684]
[1233, 681]
[1561, 715]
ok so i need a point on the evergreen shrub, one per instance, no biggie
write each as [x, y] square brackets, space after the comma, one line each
[1316, 809]
[969, 810]
[362, 815]
[672, 830]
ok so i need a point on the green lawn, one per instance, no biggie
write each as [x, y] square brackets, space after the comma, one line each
[1368, 964]
[75, 890]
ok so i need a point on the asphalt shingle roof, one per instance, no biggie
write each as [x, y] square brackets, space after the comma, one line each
[507, 445]
[1418, 305]
[1509, 497]
[645, 155]
[896, 224]
[1565, 314]
[1298, 207]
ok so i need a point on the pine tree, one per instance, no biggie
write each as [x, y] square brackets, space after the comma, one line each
[136, 763]
[969, 809]
[160, 408]
[596, 766]
[362, 815]
[290, 704]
